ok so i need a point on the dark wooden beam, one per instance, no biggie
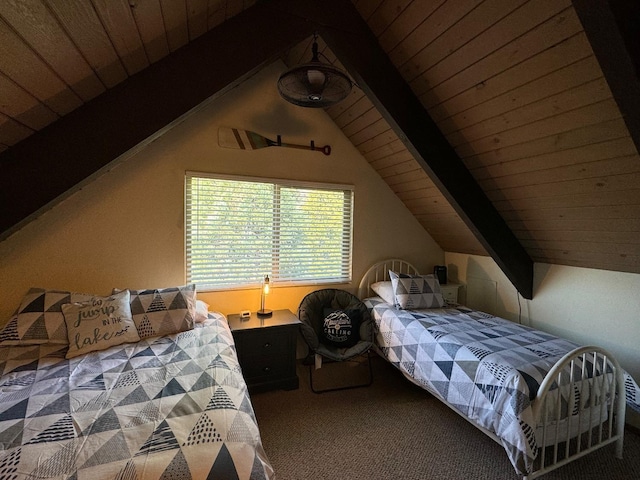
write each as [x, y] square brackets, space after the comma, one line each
[56, 161]
[353, 43]
[613, 29]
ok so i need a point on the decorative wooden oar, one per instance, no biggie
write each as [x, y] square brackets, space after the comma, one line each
[246, 140]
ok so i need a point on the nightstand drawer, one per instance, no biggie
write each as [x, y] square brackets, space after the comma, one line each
[264, 367]
[267, 342]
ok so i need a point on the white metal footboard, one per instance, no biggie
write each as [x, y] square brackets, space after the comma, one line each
[580, 407]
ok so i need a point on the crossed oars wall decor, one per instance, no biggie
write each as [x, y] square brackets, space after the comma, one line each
[246, 140]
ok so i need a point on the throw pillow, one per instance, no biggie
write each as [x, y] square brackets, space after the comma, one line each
[384, 291]
[100, 323]
[39, 318]
[164, 311]
[341, 328]
[202, 311]
[416, 291]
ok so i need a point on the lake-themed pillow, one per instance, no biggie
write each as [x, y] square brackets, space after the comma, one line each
[99, 323]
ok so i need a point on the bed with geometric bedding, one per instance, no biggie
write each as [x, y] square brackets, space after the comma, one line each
[547, 400]
[168, 406]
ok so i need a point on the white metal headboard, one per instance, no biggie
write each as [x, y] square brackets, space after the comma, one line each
[379, 272]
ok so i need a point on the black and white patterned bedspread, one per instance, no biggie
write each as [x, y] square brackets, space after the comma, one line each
[165, 407]
[486, 367]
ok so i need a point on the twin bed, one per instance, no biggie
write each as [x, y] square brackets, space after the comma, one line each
[547, 400]
[173, 404]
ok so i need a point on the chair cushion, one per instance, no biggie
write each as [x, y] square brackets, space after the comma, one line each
[312, 315]
[339, 354]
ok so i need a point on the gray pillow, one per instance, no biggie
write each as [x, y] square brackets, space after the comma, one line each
[163, 311]
[416, 291]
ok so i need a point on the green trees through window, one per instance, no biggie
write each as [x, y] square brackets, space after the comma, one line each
[238, 230]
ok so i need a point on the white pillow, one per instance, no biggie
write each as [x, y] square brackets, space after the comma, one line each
[384, 291]
[100, 323]
[202, 311]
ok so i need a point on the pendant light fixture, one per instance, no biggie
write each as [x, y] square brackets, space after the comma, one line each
[314, 84]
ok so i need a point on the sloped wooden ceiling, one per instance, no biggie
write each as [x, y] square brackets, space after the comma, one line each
[514, 87]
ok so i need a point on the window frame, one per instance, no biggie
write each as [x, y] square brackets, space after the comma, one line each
[278, 184]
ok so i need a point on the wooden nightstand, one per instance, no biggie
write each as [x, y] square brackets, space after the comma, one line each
[267, 349]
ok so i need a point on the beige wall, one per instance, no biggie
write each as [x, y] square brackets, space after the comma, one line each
[590, 307]
[126, 229]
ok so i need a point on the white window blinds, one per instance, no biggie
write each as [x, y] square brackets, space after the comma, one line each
[238, 230]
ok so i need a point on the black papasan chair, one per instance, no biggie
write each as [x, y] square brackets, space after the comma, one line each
[330, 305]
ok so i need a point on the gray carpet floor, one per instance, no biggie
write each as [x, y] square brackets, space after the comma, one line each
[394, 430]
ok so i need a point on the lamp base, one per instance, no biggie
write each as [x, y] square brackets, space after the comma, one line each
[264, 313]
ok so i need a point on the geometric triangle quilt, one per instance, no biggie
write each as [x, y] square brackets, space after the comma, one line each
[487, 368]
[155, 409]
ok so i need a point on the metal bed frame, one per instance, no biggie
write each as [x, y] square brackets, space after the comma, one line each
[562, 440]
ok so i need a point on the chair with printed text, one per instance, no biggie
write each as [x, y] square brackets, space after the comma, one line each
[337, 327]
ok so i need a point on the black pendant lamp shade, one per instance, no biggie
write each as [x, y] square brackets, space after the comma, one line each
[314, 84]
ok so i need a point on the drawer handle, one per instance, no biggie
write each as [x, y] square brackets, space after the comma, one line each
[266, 345]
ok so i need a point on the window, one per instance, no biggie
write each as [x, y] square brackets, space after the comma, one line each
[240, 229]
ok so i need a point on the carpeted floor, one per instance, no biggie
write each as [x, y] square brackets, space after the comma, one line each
[394, 430]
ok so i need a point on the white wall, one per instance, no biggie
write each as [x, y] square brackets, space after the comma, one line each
[126, 229]
[591, 307]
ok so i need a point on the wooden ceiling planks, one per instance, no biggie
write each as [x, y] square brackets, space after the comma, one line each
[406, 21]
[27, 70]
[580, 96]
[80, 21]
[436, 22]
[602, 198]
[510, 101]
[580, 154]
[40, 30]
[625, 167]
[554, 83]
[119, 22]
[489, 22]
[150, 24]
[197, 17]
[465, 73]
[563, 122]
[553, 58]
[174, 18]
